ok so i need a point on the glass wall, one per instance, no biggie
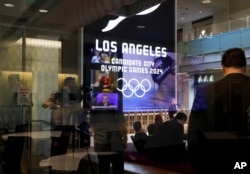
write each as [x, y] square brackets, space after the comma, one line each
[33, 67]
[48, 79]
[35, 64]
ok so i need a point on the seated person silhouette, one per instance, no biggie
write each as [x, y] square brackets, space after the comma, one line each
[168, 144]
[153, 128]
[140, 137]
[139, 133]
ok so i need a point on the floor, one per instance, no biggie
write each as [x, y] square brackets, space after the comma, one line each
[31, 163]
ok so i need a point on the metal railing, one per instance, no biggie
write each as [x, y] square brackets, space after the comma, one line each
[208, 49]
[217, 28]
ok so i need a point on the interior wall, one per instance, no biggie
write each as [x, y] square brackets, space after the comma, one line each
[239, 7]
[70, 54]
[41, 78]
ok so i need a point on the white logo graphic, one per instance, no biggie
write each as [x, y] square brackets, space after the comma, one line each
[240, 165]
[134, 87]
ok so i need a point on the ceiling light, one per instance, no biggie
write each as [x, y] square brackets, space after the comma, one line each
[43, 11]
[9, 5]
[141, 26]
[206, 1]
[45, 43]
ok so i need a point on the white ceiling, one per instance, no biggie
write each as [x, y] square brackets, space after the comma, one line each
[68, 15]
[193, 10]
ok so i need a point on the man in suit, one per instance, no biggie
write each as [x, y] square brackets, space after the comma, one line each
[153, 128]
[172, 131]
[168, 144]
[104, 101]
[220, 107]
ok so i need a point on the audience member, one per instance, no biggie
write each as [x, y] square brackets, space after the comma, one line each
[154, 127]
[221, 107]
[168, 145]
[140, 137]
[139, 133]
[172, 131]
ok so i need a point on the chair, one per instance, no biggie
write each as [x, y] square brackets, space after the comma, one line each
[223, 149]
[138, 143]
[83, 135]
[22, 128]
[3, 131]
[59, 145]
[13, 154]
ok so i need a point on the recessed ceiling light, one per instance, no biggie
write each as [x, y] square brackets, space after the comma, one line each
[141, 26]
[9, 5]
[206, 1]
[43, 11]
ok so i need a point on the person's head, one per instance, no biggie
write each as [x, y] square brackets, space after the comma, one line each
[69, 81]
[104, 98]
[172, 101]
[181, 117]
[137, 126]
[158, 118]
[107, 73]
[103, 56]
[96, 52]
[234, 61]
[14, 80]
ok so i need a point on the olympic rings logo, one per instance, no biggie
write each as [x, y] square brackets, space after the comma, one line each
[194, 61]
[134, 87]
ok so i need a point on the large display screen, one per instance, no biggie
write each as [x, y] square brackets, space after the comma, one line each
[138, 64]
[142, 75]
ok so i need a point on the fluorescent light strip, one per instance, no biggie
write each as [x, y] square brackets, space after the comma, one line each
[9, 5]
[206, 1]
[43, 11]
[41, 43]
